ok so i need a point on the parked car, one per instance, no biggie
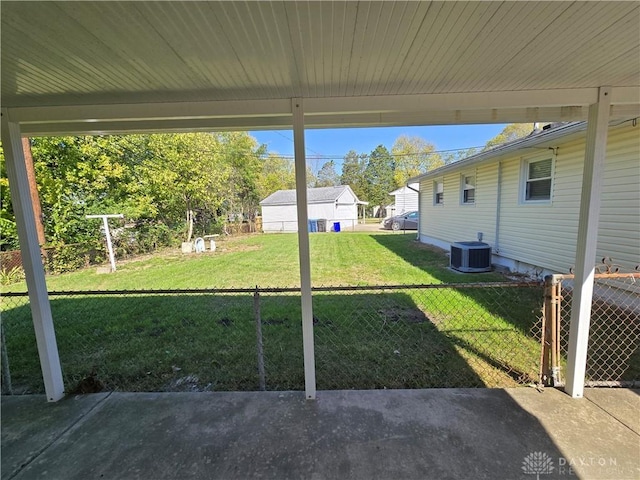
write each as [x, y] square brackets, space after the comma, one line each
[406, 221]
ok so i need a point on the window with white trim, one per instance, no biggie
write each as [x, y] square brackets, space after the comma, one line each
[468, 190]
[537, 178]
[438, 192]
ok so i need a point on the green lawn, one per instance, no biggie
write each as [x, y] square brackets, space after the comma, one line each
[272, 261]
[404, 338]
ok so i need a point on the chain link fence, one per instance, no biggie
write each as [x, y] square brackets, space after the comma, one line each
[142, 341]
[10, 260]
[461, 335]
[442, 335]
[613, 356]
[402, 336]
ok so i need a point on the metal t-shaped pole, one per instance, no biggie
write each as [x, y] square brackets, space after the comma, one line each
[112, 258]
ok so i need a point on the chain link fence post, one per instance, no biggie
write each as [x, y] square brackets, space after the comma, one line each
[550, 341]
[545, 330]
[259, 344]
[556, 299]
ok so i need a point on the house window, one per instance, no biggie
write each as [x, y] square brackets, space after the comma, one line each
[537, 176]
[468, 189]
[438, 192]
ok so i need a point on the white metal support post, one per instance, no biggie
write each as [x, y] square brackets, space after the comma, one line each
[105, 225]
[303, 249]
[594, 161]
[31, 259]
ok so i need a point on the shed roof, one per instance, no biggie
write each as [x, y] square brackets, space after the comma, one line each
[411, 187]
[314, 195]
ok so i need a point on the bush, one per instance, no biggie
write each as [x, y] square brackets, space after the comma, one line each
[14, 275]
[66, 258]
[145, 238]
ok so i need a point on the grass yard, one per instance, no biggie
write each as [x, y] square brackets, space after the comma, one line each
[406, 338]
[272, 261]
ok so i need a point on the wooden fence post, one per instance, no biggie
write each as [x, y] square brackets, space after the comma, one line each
[545, 331]
[550, 335]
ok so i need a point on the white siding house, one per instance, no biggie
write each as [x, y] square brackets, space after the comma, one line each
[406, 200]
[524, 197]
[333, 204]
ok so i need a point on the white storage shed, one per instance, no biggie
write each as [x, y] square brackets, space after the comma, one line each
[332, 204]
[406, 199]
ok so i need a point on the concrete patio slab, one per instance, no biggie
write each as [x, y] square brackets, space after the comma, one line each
[30, 425]
[622, 403]
[377, 434]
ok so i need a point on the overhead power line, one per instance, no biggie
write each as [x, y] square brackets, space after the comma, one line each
[367, 155]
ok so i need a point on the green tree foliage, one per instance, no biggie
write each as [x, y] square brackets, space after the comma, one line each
[353, 167]
[379, 177]
[185, 176]
[8, 231]
[457, 155]
[161, 183]
[327, 175]
[511, 132]
[413, 156]
[244, 156]
[277, 173]
[78, 176]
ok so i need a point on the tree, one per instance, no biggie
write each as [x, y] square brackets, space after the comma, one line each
[327, 176]
[353, 167]
[511, 132]
[9, 237]
[457, 155]
[413, 156]
[241, 151]
[81, 175]
[277, 174]
[378, 175]
[162, 183]
[187, 175]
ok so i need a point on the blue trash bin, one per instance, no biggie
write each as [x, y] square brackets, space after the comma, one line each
[313, 225]
[336, 226]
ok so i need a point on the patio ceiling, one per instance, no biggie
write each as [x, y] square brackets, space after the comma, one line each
[137, 66]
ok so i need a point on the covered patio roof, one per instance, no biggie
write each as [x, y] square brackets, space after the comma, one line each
[97, 67]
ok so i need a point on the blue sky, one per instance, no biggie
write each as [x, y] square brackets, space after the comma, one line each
[337, 142]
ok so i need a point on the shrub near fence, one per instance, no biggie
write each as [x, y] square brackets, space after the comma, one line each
[58, 259]
[462, 335]
[73, 256]
[11, 267]
[10, 260]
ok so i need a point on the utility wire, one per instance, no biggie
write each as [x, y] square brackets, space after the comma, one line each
[367, 155]
[291, 140]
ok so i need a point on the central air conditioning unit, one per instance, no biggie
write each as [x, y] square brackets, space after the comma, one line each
[470, 257]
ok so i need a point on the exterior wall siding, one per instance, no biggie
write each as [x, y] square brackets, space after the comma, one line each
[321, 210]
[454, 221]
[539, 238]
[279, 218]
[406, 201]
[284, 218]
